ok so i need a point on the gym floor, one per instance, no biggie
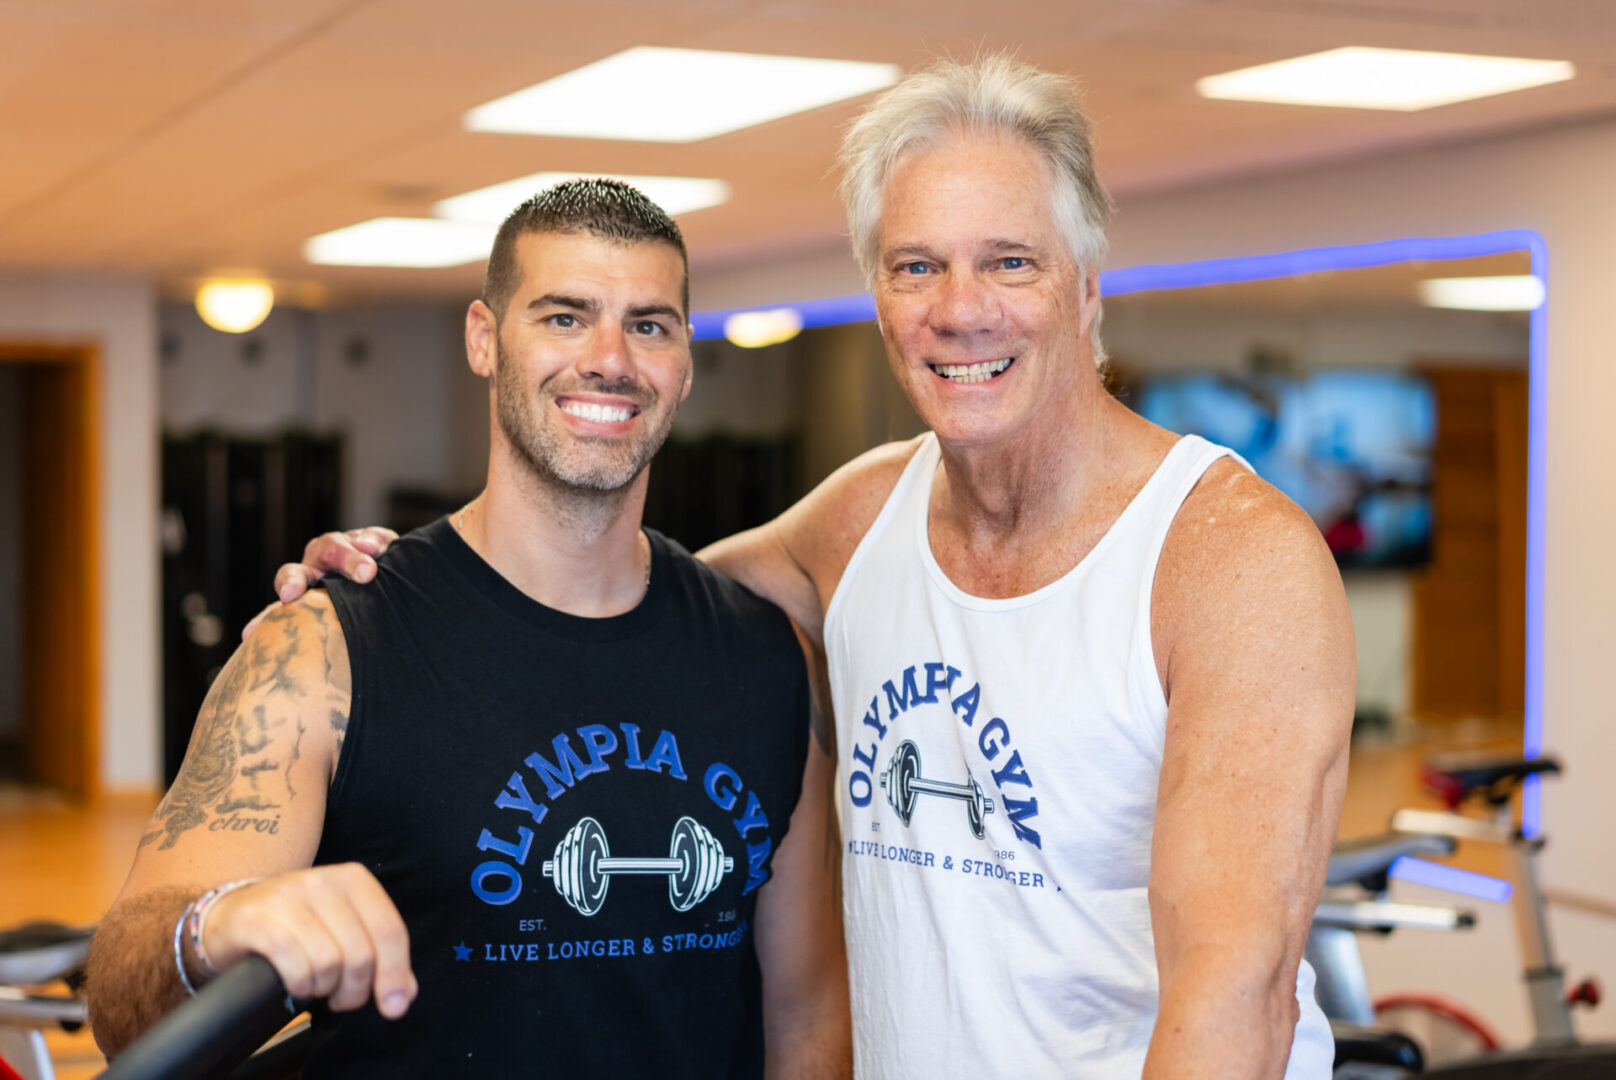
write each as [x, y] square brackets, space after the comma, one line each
[71, 860]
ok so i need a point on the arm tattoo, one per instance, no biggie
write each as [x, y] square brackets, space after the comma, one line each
[210, 763]
[333, 652]
[251, 771]
[272, 673]
[297, 752]
[229, 779]
[339, 724]
[338, 676]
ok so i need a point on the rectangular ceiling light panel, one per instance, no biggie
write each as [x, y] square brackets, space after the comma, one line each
[409, 242]
[652, 94]
[675, 194]
[1508, 292]
[1402, 80]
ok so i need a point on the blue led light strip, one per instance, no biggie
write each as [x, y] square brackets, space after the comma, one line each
[1131, 279]
[1317, 261]
[832, 312]
[1451, 878]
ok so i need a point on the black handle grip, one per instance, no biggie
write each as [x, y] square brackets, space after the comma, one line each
[219, 1028]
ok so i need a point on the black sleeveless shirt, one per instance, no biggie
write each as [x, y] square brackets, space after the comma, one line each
[573, 816]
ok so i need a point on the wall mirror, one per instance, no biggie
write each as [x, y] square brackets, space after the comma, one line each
[1410, 431]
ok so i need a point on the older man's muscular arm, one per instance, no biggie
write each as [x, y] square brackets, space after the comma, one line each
[1254, 643]
[249, 801]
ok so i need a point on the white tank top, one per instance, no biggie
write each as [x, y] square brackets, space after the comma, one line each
[998, 769]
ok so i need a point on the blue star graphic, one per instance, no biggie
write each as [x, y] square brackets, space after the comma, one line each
[462, 951]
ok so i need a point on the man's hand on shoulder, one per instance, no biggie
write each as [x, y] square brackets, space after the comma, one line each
[351, 554]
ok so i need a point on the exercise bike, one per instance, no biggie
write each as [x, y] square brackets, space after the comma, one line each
[32, 956]
[1332, 950]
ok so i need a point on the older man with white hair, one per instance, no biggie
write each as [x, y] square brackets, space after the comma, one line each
[1093, 681]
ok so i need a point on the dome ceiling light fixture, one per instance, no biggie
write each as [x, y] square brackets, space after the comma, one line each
[234, 306]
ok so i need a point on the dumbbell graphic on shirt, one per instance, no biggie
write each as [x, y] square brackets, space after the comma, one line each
[583, 865]
[903, 784]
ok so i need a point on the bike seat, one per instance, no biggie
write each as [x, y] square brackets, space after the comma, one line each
[41, 952]
[1366, 860]
[1375, 1046]
[1456, 777]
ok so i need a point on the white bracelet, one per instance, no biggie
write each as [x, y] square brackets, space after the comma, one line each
[196, 915]
[179, 957]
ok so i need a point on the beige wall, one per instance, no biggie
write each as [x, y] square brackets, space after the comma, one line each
[118, 316]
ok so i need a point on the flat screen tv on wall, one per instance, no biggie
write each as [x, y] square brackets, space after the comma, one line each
[1352, 448]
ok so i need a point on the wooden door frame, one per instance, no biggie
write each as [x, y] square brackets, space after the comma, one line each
[85, 613]
[1497, 394]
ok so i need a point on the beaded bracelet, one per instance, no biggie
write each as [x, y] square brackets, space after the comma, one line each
[192, 921]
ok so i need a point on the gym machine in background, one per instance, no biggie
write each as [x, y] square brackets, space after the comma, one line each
[701, 490]
[234, 509]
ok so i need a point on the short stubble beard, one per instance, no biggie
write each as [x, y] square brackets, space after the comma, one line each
[584, 467]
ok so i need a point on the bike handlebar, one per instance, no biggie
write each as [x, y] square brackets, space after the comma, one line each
[216, 1030]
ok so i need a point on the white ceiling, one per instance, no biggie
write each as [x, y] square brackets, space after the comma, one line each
[188, 137]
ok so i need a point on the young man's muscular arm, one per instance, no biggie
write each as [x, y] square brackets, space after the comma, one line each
[249, 801]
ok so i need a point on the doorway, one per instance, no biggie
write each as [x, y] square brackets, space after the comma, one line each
[50, 660]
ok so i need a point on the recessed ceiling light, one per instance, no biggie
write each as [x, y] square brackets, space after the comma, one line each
[675, 194]
[412, 242]
[1399, 79]
[1510, 292]
[653, 94]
